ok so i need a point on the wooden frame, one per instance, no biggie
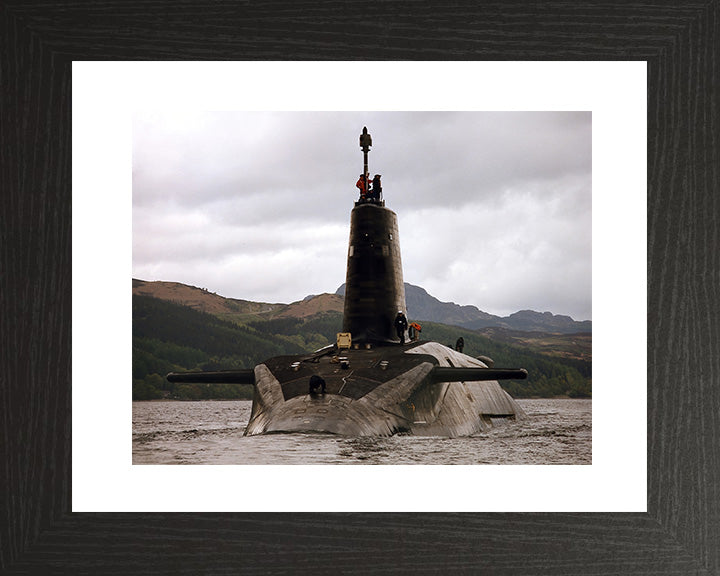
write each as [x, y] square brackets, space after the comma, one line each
[680, 533]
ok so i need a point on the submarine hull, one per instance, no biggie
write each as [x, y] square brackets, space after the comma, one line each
[380, 385]
[376, 392]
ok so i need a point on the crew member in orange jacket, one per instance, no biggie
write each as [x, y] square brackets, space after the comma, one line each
[414, 330]
[362, 185]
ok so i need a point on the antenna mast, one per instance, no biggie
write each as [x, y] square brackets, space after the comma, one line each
[365, 143]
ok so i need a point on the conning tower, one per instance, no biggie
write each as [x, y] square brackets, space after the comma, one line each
[374, 289]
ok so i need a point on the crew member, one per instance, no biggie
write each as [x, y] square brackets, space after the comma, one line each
[362, 185]
[401, 325]
[376, 192]
[460, 344]
[317, 384]
[414, 330]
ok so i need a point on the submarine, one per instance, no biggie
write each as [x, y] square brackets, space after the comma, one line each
[377, 378]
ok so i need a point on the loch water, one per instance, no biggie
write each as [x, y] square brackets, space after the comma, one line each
[556, 431]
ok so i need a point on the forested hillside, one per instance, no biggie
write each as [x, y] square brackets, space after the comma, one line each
[548, 376]
[169, 337]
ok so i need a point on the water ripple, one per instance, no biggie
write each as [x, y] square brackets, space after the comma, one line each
[211, 432]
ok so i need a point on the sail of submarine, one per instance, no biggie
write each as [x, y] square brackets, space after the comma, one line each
[373, 381]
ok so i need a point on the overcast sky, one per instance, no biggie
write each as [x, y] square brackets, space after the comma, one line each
[494, 209]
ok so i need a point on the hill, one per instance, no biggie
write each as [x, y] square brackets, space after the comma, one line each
[313, 305]
[202, 300]
[577, 346]
[546, 333]
[232, 309]
[421, 307]
[168, 336]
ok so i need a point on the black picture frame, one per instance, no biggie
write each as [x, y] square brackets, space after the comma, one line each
[680, 533]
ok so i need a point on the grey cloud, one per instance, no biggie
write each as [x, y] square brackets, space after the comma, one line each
[253, 190]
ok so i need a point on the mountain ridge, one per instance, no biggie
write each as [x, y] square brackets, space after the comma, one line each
[421, 306]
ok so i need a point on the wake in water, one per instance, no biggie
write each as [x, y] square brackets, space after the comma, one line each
[211, 432]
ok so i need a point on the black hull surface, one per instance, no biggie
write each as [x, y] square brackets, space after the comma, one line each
[376, 391]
